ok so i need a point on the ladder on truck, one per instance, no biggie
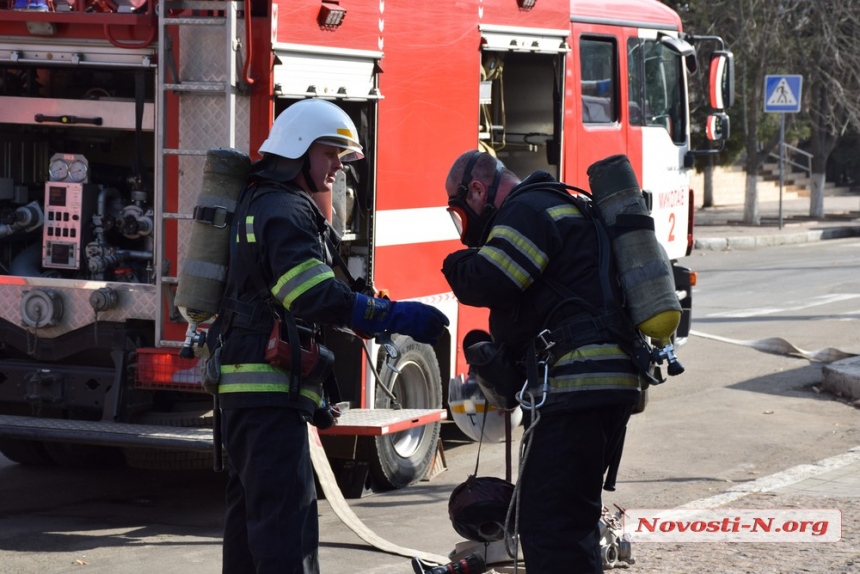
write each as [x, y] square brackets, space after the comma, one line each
[199, 94]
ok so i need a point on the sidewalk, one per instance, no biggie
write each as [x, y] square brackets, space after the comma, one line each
[722, 227]
[832, 483]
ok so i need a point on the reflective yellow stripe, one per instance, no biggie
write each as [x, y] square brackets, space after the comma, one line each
[299, 279]
[609, 357]
[249, 229]
[522, 244]
[594, 381]
[253, 377]
[510, 268]
[563, 211]
[251, 368]
[591, 353]
[262, 378]
[309, 394]
[264, 388]
[252, 388]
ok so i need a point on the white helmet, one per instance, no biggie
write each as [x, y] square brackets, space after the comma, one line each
[468, 405]
[307, 121]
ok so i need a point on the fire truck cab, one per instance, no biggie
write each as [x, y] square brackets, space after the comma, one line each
[107, 109]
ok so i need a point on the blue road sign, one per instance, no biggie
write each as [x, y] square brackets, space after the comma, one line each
[782, 93]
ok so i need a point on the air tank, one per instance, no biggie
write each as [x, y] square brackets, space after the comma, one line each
[203, 272]
[642, 263]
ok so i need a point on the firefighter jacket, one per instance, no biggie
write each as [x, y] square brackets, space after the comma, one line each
[281, 229]
[538, 268]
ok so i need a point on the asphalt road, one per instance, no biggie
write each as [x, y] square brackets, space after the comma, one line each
[735, 415]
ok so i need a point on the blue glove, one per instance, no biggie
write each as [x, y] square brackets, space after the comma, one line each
[421, 322]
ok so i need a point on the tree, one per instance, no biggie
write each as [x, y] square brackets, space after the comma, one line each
[702, 20]
[753, 30]
[816, 39]
[824, 39]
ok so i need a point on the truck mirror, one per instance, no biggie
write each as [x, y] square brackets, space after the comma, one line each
[677, 45]
[692, 63]
[718, 127]
[722, 80]
[683, 49]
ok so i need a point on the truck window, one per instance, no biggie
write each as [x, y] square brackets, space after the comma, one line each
[598, 63]
[656, 87]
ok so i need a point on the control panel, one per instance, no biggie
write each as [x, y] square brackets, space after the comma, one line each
[68, 213]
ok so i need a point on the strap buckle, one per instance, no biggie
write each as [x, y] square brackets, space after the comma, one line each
[216, 216]
[543, 338]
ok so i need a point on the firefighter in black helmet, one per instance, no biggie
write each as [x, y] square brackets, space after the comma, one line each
[532, 259]
[279, 272]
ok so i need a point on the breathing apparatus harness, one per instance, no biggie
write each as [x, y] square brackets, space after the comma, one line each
[591, 323]
[312, 360]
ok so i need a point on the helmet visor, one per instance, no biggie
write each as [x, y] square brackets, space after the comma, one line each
[350, 150]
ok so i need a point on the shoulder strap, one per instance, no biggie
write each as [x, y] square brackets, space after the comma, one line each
[603, 247]
[243, 248]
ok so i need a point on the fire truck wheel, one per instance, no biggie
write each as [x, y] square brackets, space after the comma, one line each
[29, 452]
[399, 459]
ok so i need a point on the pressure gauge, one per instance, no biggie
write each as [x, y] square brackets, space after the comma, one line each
[78, 171]
[58, 170]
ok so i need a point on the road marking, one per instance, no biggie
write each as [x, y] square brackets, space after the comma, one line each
[791, 306]
[787, 477]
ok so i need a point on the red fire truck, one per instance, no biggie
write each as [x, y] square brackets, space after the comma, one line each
[107, 109]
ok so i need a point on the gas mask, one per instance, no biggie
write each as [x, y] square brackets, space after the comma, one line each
[471, 226]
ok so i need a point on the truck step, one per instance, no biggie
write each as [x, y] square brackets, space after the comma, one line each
[105, 433]
[377, 422]
[362, 422]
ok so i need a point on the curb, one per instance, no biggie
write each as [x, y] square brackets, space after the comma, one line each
[843, 378]
[725, 243]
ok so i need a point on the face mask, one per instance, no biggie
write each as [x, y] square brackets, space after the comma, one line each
[470, 225]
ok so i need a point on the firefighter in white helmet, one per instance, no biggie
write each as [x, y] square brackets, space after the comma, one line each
[279, 271]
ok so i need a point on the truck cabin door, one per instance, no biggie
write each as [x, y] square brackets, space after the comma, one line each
[659, 133]
[597, 115]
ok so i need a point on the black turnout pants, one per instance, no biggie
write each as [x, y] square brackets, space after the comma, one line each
[271, 524]
[561, 484]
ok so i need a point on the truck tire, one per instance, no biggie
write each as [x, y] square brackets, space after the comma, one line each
[399, 459]
[27, 452]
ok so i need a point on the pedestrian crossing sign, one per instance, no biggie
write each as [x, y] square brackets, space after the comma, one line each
[782, 93]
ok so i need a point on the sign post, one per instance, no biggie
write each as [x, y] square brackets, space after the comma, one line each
[782, 95]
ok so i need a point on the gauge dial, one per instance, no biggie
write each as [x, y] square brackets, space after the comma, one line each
[78, 171]
[58, 170]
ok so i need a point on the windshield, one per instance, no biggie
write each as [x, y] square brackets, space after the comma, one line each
[655, 83]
